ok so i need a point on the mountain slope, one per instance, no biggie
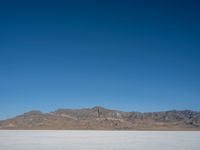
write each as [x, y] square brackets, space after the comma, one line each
[99, 118]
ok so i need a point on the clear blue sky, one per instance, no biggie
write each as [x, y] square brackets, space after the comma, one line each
[127, 55]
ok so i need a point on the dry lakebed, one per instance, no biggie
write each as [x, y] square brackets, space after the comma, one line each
[98, 140]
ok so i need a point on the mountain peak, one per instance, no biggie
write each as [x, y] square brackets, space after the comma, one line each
[101, 118]
[99, 107]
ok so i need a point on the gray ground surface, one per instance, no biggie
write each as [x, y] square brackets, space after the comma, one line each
[99, 140]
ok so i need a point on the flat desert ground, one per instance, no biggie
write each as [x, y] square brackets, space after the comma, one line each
[99, 140]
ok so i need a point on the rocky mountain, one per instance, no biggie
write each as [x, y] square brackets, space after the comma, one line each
[99, 118]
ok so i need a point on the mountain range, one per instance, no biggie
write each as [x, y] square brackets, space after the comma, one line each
[99, 118]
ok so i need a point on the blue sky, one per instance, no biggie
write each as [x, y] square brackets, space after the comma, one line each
[127, 55]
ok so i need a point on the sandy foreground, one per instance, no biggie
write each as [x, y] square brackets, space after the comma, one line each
[99, 140]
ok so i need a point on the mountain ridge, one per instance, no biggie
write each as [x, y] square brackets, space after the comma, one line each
[100, 118]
